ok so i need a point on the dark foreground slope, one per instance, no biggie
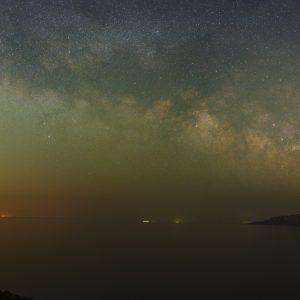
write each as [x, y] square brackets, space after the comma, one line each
[5, 295]
[291, 220]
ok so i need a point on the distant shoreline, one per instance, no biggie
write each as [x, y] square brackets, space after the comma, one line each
[288, 220]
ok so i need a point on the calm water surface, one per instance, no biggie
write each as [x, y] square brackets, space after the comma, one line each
[69, 259]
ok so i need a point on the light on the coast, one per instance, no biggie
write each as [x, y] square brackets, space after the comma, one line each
[3, 216]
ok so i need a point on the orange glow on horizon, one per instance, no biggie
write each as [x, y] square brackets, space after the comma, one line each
[5, 215]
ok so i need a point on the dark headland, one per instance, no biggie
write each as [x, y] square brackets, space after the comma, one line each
[290, 220]
[5, 295]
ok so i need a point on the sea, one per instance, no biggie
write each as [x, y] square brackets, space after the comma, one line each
[80, 259]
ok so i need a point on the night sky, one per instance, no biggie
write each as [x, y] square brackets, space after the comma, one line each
[149, 108]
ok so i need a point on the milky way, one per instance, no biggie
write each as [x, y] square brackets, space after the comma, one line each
[146, 100]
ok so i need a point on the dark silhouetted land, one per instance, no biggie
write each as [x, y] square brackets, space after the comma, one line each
[291, 220]
[5, 295]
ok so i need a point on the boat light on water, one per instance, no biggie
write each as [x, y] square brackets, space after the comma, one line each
[178, 221]
[146, 221]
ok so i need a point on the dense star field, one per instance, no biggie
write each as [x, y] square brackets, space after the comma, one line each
[155, 107]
